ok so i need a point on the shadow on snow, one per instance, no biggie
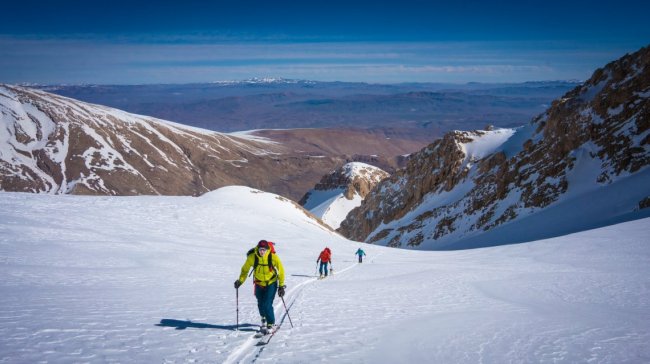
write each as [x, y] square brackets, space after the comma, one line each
[182, 325]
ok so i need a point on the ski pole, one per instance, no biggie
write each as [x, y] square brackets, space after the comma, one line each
[286, 309]
[237, 297]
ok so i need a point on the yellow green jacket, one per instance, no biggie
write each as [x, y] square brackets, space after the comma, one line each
[263, 275]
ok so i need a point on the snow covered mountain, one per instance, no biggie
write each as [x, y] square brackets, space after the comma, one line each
[341, 191]
[264, 81]
[149, 279]
[53, 144]
[581, 164]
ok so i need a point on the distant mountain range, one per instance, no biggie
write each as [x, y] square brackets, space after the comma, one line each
[264, 81]
[418, 109]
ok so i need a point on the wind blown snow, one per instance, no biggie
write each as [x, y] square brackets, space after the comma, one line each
[332, 206]
[150, 279]
[487, 143]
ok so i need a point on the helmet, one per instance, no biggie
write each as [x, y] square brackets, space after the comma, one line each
[263, 244]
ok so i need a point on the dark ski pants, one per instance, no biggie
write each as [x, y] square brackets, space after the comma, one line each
[265, 296]
[323, 266]
[360, 259]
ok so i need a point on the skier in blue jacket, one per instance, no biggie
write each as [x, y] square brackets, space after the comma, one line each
[360, 253]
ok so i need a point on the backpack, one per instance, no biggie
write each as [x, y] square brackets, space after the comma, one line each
[270, 262]
[325, 255]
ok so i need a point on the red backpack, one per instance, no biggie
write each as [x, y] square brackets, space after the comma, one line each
[325, 255]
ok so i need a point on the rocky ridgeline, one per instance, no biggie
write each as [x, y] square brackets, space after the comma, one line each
[354, 177]
[445, 193]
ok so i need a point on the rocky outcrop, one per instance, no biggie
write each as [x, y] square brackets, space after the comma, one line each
[353, 178]
[437, 168]
[342, 190]
[595, 135]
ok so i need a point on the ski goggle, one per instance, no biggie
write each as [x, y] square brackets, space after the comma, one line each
[262, 250]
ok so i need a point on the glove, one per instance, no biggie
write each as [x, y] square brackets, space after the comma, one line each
[281, 291]
[237, 284]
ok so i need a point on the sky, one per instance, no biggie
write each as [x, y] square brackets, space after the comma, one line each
[124, 42]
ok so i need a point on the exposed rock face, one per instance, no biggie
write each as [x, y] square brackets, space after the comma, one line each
[52, 144]
[353, 178]
[645, 203]
[340, 191]
[470, 182]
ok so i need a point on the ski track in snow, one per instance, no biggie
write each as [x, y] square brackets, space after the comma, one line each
[249, 351]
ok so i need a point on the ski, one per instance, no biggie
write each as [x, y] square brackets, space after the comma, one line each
[266, 338]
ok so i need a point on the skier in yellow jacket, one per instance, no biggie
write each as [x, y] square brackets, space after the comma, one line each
[268, 277]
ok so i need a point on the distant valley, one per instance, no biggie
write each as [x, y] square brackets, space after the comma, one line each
[417, 109]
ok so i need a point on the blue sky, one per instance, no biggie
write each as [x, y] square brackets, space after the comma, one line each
[123, 42]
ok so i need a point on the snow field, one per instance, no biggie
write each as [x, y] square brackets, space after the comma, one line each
[150, 279]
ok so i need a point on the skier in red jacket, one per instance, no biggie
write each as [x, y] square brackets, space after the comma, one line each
[324, 258]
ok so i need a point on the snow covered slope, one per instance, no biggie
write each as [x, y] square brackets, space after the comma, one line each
[49, 143]
[341, 191]
[53, 144]
[148, 279]
[582, 164]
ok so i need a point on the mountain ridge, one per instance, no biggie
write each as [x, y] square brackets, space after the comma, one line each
[59, 145]
[445, 196]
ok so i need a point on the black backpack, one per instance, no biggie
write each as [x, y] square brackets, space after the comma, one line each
[270, 261]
